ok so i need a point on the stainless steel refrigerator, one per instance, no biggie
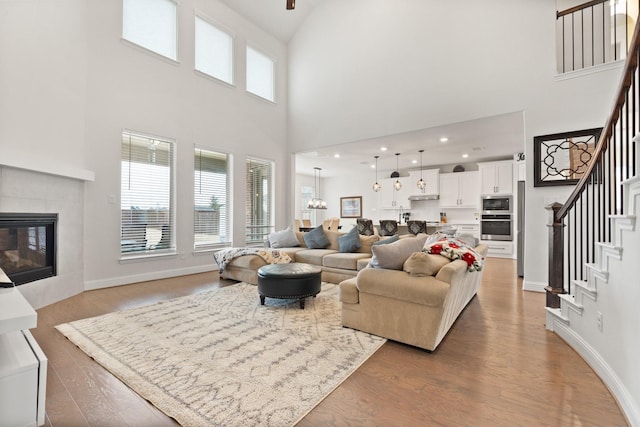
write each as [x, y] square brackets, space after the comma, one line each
[520, 229]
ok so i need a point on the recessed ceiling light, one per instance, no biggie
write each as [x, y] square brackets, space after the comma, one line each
[383, 148]
[337, 156]
[465, 155]
[373, 166]
[444, 139]
[414, 161]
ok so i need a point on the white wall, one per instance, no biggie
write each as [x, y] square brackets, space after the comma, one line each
[70, 85]
[391, 67]
[130, 88]
[43, 72]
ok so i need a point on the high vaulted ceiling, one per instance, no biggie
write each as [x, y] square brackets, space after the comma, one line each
[272, 15]
[484, 139]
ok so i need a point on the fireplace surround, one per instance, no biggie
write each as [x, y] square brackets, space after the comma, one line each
[28, 246]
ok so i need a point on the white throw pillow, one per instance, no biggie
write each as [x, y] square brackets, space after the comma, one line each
[283, 239]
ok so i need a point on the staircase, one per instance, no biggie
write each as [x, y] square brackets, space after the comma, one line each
[593, 296]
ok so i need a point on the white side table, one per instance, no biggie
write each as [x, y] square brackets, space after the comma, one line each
[23, 365]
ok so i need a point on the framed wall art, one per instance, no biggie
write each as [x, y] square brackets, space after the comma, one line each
[351, 207]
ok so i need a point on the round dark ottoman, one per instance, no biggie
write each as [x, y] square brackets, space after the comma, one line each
[294, 280]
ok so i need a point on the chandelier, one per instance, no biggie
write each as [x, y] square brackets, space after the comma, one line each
[421, 184]
[376, 186]
[317, 202]
[397, 185]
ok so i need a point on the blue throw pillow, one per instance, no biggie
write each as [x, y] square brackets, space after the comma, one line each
[316, 239]
[387, 240]
[349, 242]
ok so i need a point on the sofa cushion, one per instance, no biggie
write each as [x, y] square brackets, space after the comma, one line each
[424, 264]
[316, 239]
[419, 290]
[283, 239]
[366, 242]
[393, 255]
[385, 240]
[345, 261]
[313, 256]
[349, 242]
[363, 263]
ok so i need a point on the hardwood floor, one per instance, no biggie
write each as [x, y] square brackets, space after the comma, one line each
[498, 366]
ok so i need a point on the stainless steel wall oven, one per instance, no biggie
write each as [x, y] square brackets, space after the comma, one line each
[496, 222]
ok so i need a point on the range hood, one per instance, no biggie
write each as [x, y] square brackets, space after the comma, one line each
[417, 197]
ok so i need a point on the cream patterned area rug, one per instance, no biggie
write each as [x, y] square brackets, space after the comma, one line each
[220, 358]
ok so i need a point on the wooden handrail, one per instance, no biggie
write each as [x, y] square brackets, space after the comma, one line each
[579, 8]
[607, 131]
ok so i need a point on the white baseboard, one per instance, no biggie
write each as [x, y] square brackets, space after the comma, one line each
[626, 402]
[152, 275]
[533, 286]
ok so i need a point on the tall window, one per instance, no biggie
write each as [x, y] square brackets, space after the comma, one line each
[214, 51]
[259, 203]
[212, 197]
[147, 194]
[151, 24]
[260, 74]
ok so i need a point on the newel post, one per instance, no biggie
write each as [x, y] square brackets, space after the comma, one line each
[556, 256]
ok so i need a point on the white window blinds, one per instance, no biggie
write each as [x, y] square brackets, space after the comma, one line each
[147, 194]
[260, 74]
[212, 197]
[151, 24]
[259, 202]
[214, 51]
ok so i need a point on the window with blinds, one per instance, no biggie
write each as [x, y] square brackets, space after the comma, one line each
[214, 51]
[151, 24]
[259, 202]
[260, 74]
[212, 199]
[147, 194]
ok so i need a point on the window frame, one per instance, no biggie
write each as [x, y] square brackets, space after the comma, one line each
[271, 203]
[228, 201]
[139, 44]
[274, 68]
[167, 244]
[232, 52]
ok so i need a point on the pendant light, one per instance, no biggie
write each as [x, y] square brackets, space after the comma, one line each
[317, 202]
[421, 184]
[376, 186]
[397, 185]
[291, 4]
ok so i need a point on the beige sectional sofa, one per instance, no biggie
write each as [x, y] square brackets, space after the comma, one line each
[336, 266]
[415, 310]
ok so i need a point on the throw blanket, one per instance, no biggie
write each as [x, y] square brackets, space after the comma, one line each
[271, 256]
[456, 249]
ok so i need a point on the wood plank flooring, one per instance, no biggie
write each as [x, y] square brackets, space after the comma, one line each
[498, 366]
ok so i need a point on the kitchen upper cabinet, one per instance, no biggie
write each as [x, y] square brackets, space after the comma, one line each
[460, 190]
[430, 176]
[395, 199]
[496, 177]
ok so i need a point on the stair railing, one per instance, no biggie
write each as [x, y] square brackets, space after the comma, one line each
[592, 33]
[584, 219]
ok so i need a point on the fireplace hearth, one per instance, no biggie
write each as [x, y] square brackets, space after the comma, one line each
[28, 246]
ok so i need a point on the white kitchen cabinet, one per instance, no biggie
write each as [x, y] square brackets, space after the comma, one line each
[460, 190]
[395, 199]
[499, 249]
[496, 177]
[472, 229]
[430, 176]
